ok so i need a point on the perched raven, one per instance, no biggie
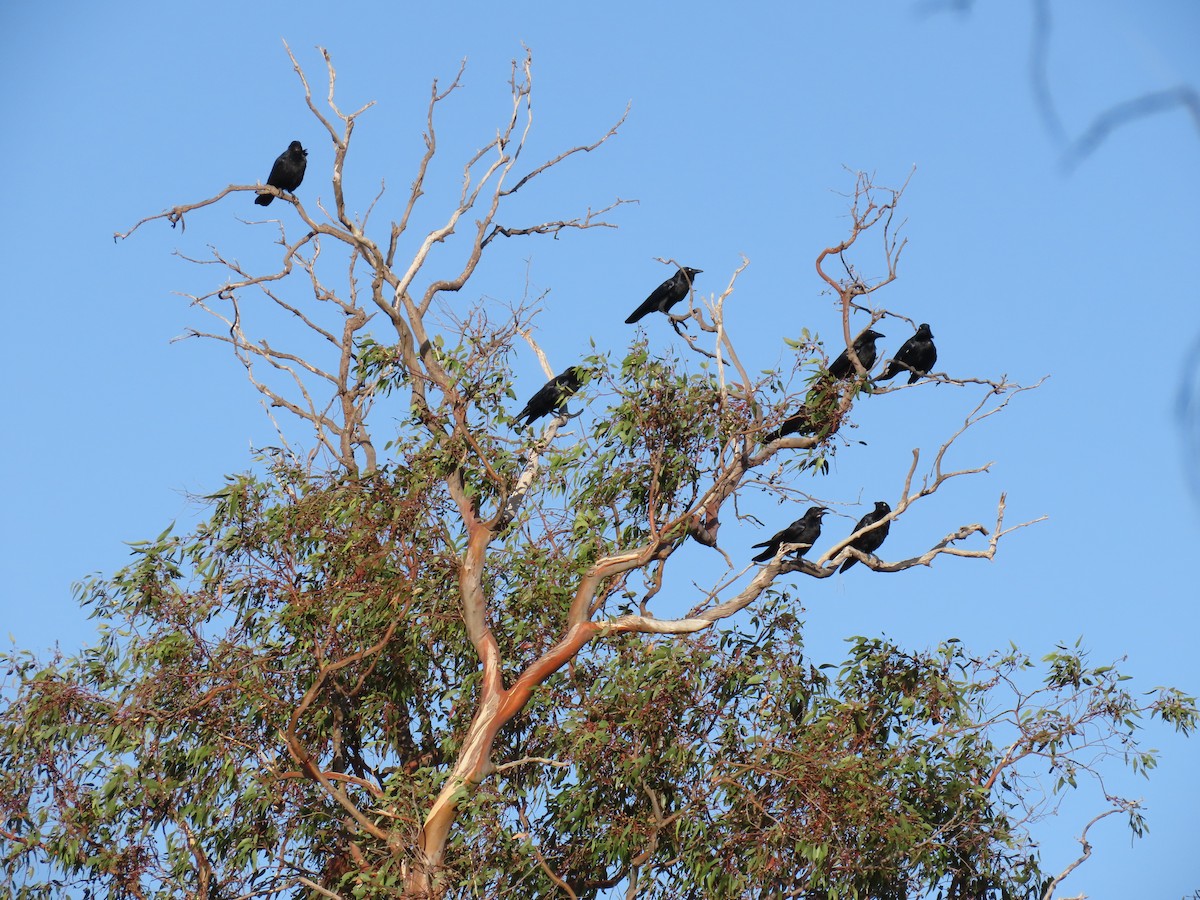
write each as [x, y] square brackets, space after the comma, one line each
[918, 353]
[800, 423]
[553, 395]
[666, 294]
[804, 530]
[820, 415]
[871, 541]
[864, 348]
[287, 173]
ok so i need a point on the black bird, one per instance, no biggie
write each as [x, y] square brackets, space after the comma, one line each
[872, 540]
[918, 353]
[800, 423]
[820, 415]
[864, 348]
[553, 395]
[287, 173]
[666, 295]
[804, 530]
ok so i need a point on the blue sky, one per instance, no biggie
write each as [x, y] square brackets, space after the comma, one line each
[742, 121]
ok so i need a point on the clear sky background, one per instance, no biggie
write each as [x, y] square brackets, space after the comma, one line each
[743, 119]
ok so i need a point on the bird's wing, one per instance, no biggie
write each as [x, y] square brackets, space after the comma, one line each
[277, 169]
[649, 305]
[565, 387]
[667, 287]
[840, 367]
[534, 407]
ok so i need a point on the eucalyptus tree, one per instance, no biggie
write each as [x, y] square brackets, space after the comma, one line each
[420, 650]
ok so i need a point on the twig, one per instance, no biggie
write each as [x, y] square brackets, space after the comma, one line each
[1048, 894]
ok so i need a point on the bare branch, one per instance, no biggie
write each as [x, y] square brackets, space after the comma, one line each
[313, 886]
[581, 149]
[524, 761]
[1122, 806]
[418, 185]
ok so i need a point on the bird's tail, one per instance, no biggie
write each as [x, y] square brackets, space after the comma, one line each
[847, 564]
[264, 199]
